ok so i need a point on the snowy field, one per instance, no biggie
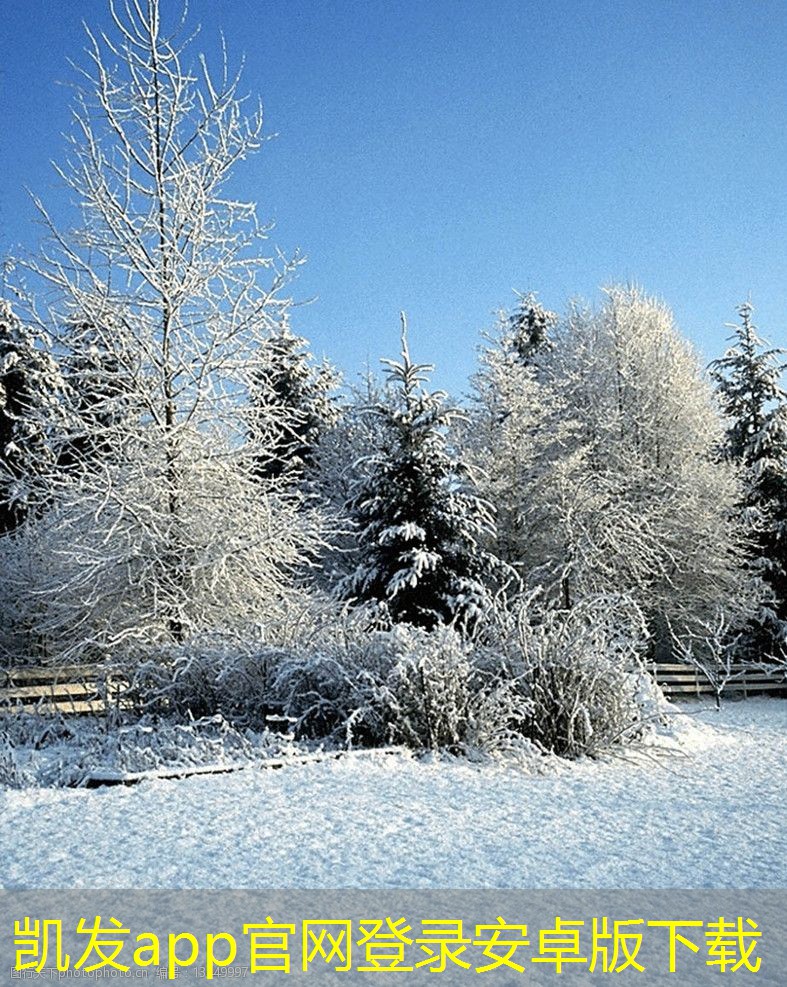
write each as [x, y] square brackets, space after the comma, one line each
[712, 816]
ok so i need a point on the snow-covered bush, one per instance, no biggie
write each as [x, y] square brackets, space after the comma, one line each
[405, 685]
[9, 770]
[336, 687]
[446, 699]
[569, 683]
[23, 733]
[56, 751]
[432, 684]
[232, 674]
[215, 674]
[579, 674]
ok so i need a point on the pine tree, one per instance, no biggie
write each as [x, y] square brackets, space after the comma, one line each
[100, 396]
[288, 379]
[29, 389]
[419, 520]
[747, 380]
[529, 330]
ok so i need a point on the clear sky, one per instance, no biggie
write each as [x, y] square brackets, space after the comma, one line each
[433, 155]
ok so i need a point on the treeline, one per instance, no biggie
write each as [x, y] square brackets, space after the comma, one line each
[594, 458]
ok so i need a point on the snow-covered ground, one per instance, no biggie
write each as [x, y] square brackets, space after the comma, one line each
[712, 816]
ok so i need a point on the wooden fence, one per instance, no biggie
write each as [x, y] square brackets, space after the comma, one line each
[682, 681]
[92, 689]
[67, 689]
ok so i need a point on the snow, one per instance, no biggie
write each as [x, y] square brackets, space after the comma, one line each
[712, 814]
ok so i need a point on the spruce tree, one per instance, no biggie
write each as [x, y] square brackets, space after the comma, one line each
[289, 383]
[747, 380]
[420, 523]
[100, 396]
[29, 385]
[529, 330]
[343, 459]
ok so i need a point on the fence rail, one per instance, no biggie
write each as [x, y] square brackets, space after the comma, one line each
[679, 680]
[68, 689]
[94, 689]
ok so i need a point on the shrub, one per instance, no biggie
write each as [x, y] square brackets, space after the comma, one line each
[405, 685]
[570, 683]
[9, 769]
[207, 676]
[233, 674]
[579, 673]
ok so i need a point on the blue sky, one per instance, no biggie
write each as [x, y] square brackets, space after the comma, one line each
[432, 156]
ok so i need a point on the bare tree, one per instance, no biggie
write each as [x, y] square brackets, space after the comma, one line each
[171, 532]
[711, 650]
[601, 457]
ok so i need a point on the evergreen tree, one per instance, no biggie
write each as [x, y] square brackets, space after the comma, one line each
[29, 386]
[100, 396]
[529, 329]
[343, 459]
[747, 380]
[419, 521]
[288, 379]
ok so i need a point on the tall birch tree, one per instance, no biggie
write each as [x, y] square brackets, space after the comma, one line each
[173, 275]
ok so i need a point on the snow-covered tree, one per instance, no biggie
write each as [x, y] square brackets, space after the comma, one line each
[650, 509]
[343, 459]
[174, 534]
[419, 521]
[516, 425]
[289, 378]
[30, 387]
[747, 380]
[528, 330]
[100, 397]
[606, 459]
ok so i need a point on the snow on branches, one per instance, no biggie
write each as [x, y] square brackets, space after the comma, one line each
[420, 523]
[164, 298]
[602, 456]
